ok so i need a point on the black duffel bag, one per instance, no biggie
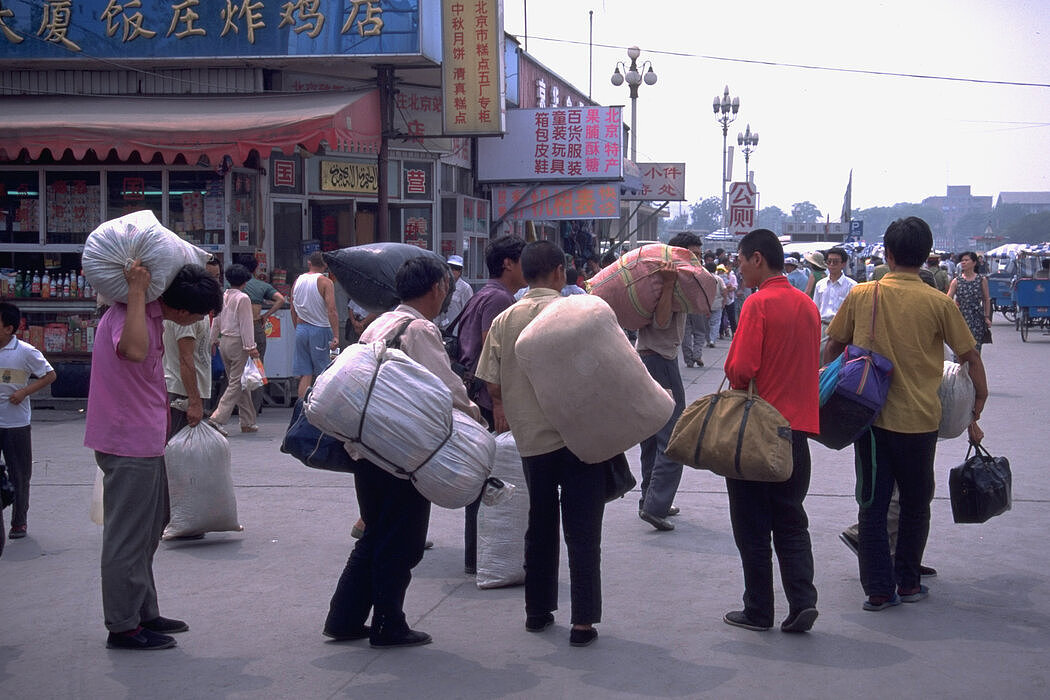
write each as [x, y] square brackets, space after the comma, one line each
[368, 272]
[980, 487]
[313, 447]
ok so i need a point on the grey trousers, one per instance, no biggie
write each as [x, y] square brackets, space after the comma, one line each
[660, 474]
[135, 506]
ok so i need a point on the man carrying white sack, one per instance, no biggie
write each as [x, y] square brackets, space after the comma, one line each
[547, 462]
[379, 569]
[658, 345]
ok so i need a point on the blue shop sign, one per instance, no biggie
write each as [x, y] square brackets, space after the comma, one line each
[180, 29]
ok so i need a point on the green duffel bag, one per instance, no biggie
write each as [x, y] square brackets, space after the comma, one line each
[735, 434]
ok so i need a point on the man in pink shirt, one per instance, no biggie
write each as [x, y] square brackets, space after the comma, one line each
[127, 420]
[775, 344]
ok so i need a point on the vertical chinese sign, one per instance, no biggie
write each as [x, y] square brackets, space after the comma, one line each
[472, 75]
[742, 200]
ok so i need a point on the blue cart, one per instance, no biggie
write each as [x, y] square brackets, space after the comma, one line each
[1001, 291]
[1033, 305]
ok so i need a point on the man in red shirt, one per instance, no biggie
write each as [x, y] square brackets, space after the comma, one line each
[775, 344]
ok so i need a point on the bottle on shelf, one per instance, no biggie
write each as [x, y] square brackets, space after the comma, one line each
[34, 289]
[45, 285]
[74, 291]
[81, 285]
[65, 286]
[19, 279]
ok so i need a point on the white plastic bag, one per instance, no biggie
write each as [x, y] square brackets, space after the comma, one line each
[111, 247]
[97, 510]
[501, 528]
[252, 378]
[389, 408]
[454, 477]
[957, 396]
[200, 484]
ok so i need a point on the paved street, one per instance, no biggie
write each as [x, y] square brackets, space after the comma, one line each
[255, 600]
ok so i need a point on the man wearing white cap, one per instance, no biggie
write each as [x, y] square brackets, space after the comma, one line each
[460, 295]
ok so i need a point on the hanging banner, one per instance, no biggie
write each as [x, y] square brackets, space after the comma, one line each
[742, 200]
[570, 143]
[472, 75]
[556, 202]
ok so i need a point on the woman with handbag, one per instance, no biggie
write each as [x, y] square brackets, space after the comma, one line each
[233, 332]
[776, 346]
[970, 292]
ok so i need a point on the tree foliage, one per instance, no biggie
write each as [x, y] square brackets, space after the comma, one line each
[772, 218]
[706, 214]
[1033, 228]
[805, 212]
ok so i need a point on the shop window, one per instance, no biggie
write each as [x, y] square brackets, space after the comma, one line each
[71, 206]
[416, 226]
[134, 190]
[244, 221]
[20, 207]
[196, 206]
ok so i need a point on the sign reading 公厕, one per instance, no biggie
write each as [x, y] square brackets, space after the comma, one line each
[568, 143]
[742, 200]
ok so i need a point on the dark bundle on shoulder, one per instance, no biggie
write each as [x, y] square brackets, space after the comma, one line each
[368, 272]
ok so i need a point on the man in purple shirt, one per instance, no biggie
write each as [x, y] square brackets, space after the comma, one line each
[503, 259]
[126, 426]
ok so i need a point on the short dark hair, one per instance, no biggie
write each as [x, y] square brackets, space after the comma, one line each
[763, 241]
[195, 290]
[316, 259]
[686, 239]
[841, 252]
[237, 275]
[973, 255]
[571, 275]
[910, 240]
[500, 249]
[248, 260]
[539, 259]
[608, 259]
[418, 275]
[10, 315]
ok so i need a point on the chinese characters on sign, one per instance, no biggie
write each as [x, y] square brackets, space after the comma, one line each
[472, 66]
[742, 200]
[661, 182]
[556, 202]
[356, 178]
[571, 143]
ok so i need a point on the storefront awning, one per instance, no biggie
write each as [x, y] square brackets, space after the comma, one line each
[193, 126]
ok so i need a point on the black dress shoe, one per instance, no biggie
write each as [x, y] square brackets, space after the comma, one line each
[738, 618]
[140, 639]
[408, 638]
[362, 632]
[673, 510]
[927, 571]
[164, 625]
[661, 524]
[582, 638]
[538, 623]
[802, 621]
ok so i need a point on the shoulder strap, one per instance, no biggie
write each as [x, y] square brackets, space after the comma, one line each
[874, 311]
[395, 341]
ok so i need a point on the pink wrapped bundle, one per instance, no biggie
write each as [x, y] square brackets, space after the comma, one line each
[632, 287]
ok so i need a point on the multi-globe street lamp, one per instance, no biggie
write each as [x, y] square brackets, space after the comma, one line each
[727, 108]
[749, 141]
[634, 75]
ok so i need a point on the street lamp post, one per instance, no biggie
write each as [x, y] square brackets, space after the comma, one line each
[749, 141]
[726, 107]
[634, 77]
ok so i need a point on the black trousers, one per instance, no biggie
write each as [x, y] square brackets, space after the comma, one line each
[582, 505]
[758, 508]
[16, 446]
[379, 569]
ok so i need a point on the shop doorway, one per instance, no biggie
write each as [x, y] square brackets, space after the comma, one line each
[288, 238]
[332, 223]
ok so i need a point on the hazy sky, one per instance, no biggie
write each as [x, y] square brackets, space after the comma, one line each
[905, 138]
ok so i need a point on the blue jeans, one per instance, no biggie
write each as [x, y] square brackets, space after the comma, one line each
[660, 474]
[310, 356]
[907, 460]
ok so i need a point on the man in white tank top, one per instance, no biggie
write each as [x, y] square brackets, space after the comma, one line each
[316, 322]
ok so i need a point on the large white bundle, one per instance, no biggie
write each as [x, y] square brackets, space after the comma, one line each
[200, 484]
[957, 395]
[392, 410]
[501, 528]
[575, 347]
[136, 236]
[454, 477]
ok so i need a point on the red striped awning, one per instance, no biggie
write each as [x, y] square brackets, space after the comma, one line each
[192, 126]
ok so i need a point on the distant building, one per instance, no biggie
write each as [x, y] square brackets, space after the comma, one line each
[957, 204]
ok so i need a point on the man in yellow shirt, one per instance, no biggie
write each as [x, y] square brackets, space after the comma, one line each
[912, 324]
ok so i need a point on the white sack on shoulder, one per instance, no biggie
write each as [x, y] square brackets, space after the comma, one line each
[501, 528]
[624, 403]
[957, 396]
[137, 236]
[454, 477]
[407, 411]
[200, 483]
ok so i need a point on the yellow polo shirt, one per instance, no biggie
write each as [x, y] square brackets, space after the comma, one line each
[533, 433]
[913, 323]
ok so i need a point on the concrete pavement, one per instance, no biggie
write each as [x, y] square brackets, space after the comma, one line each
[256, 600]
